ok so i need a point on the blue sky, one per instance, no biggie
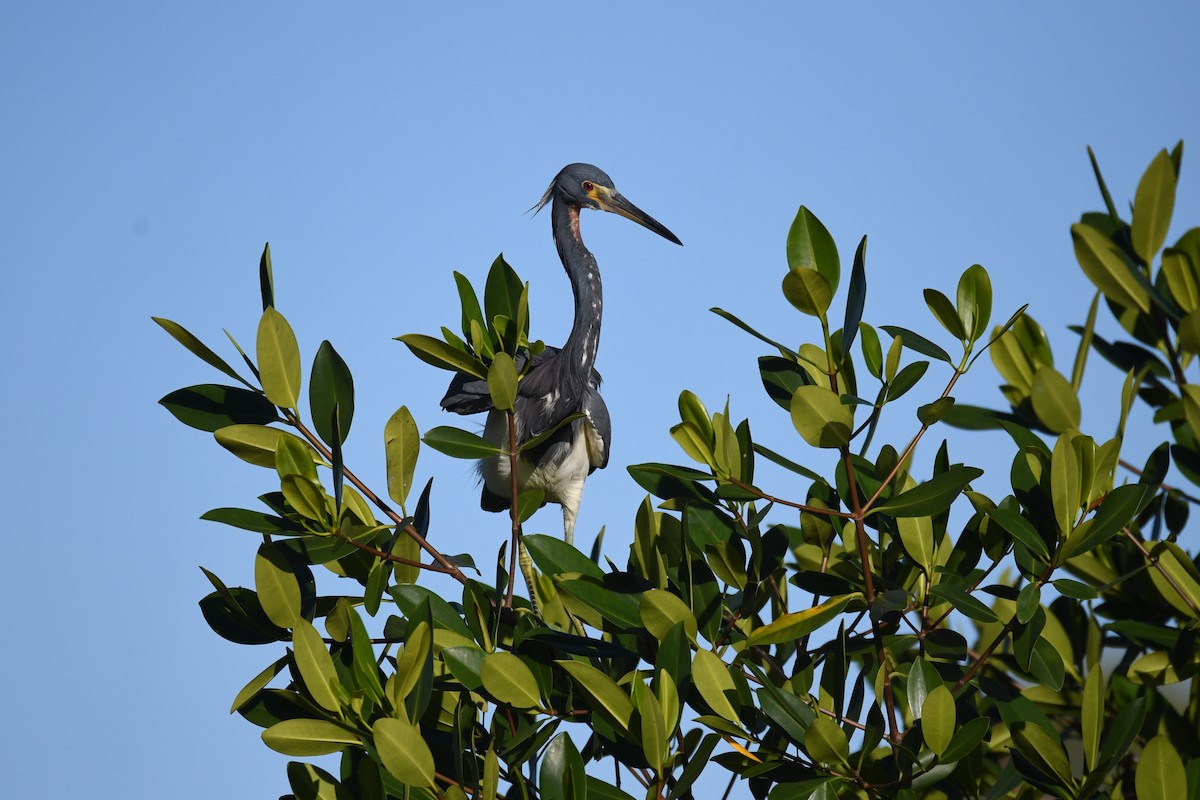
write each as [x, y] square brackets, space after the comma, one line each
[148, 150]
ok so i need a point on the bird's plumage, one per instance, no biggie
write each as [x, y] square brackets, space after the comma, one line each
[559, 382]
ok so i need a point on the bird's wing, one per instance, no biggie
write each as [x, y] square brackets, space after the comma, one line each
[598, 428]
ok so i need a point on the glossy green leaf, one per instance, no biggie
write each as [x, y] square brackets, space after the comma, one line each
[509, 680]
[855, 298]
[439, 354]
[661, 610]
[974, 301]
[306, 496]
[821, 418]
[1028, 602]
[906, 379]
[793, 625]
[808, 291]
[562, 776]
[916, 536]
[784, 350]
[502, 382]
[655, 744]
[458, 443]
[402, 444]
[1153, 205]
[198, 348]
[1065, 480]
[308, 737]
[1046, 664]
[278, 359]
[933, 496]
[1021, 529]
[922, 679]
[938, 717]
[258, 683]
[248, 520]
[294, 457]
[1054, 400]
[809, 246]
[403, 751]
[210, 407]
[945, 313]
[711, 677]
[1108, 268]
[966, 739]
[554, 557]
[277, 587]
[1092, 714]
[255, 444]
[1182, 278]
[330, 385]
[918, 343]
[612, 703]
[315, 664]
[1160, 774]
[1042, 749]
[871, 350]
[932, 412]
[1189, 333]
[826, 742]
[1115, 512]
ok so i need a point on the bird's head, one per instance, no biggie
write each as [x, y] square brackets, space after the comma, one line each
[586, 186]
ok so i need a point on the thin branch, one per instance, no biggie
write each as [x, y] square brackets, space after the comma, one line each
[1161, 570]
[446, 565]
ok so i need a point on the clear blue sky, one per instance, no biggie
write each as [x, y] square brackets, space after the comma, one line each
[148, 150]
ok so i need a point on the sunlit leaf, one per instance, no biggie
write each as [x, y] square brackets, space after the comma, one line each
[1152, 207]
[403, 751]
[308, 737]
[278, 359]
[809, 246]
[820, 417]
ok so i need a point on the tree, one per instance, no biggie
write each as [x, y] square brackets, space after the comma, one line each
[910, 636]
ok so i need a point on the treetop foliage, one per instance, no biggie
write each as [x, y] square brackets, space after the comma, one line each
[862, 631]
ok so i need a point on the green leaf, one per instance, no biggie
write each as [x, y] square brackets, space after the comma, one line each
[330, 385]
[1029, 600]
[1182, 279]
[554, 557]
[1160, 774]
[783, 349]
[963, 602]
[278, 359]
[266, 279]
[871, 349]
[1108, 268]
[855, 298]
[975, 301]
[808, 291]
[966, 739]
[906, 379]
[1046, 664]
[661, 611]
[1054, 400]
[308, 737]
[612, 703]
[1043, 749]
[258, 683]
[562, 776]
[793, 625]
[922, 679]
[1092, 712]
[502, 382]
[938, 716]
[826, 742]
[1065, 481]
[916, 536]
[711, 678]
[210, 407]
[458, 443]
[306, 496]
[255, 444]
[945, 313]
[820, 417]
[277, 587]
[655, 744]
[809, 246]
[933, 496]
[918, 343]
[198, 348]
[403, 751]
[507, 678]
[1115, 512]
[439, 354]
[932, 412]
[402, 444]
[470, 304]
[1189, 333]
[315, 664]
[1153, 205]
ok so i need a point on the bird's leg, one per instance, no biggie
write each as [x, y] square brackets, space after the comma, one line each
[570, 509]
[526, 562]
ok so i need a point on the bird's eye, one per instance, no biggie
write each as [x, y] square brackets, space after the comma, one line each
[587, 186]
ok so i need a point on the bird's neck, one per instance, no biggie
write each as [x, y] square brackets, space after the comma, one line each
[581, 346]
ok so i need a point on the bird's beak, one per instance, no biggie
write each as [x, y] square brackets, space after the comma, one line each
[614, 201]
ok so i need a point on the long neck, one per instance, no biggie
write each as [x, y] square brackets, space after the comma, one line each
[580, 348]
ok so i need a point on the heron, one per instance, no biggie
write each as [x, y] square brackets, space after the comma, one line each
[560, 382]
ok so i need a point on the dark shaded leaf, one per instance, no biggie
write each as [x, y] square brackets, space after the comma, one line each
[210, 407]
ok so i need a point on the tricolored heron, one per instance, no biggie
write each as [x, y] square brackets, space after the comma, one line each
[559, 382]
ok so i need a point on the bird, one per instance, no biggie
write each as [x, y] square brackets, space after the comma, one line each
[560, 381]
